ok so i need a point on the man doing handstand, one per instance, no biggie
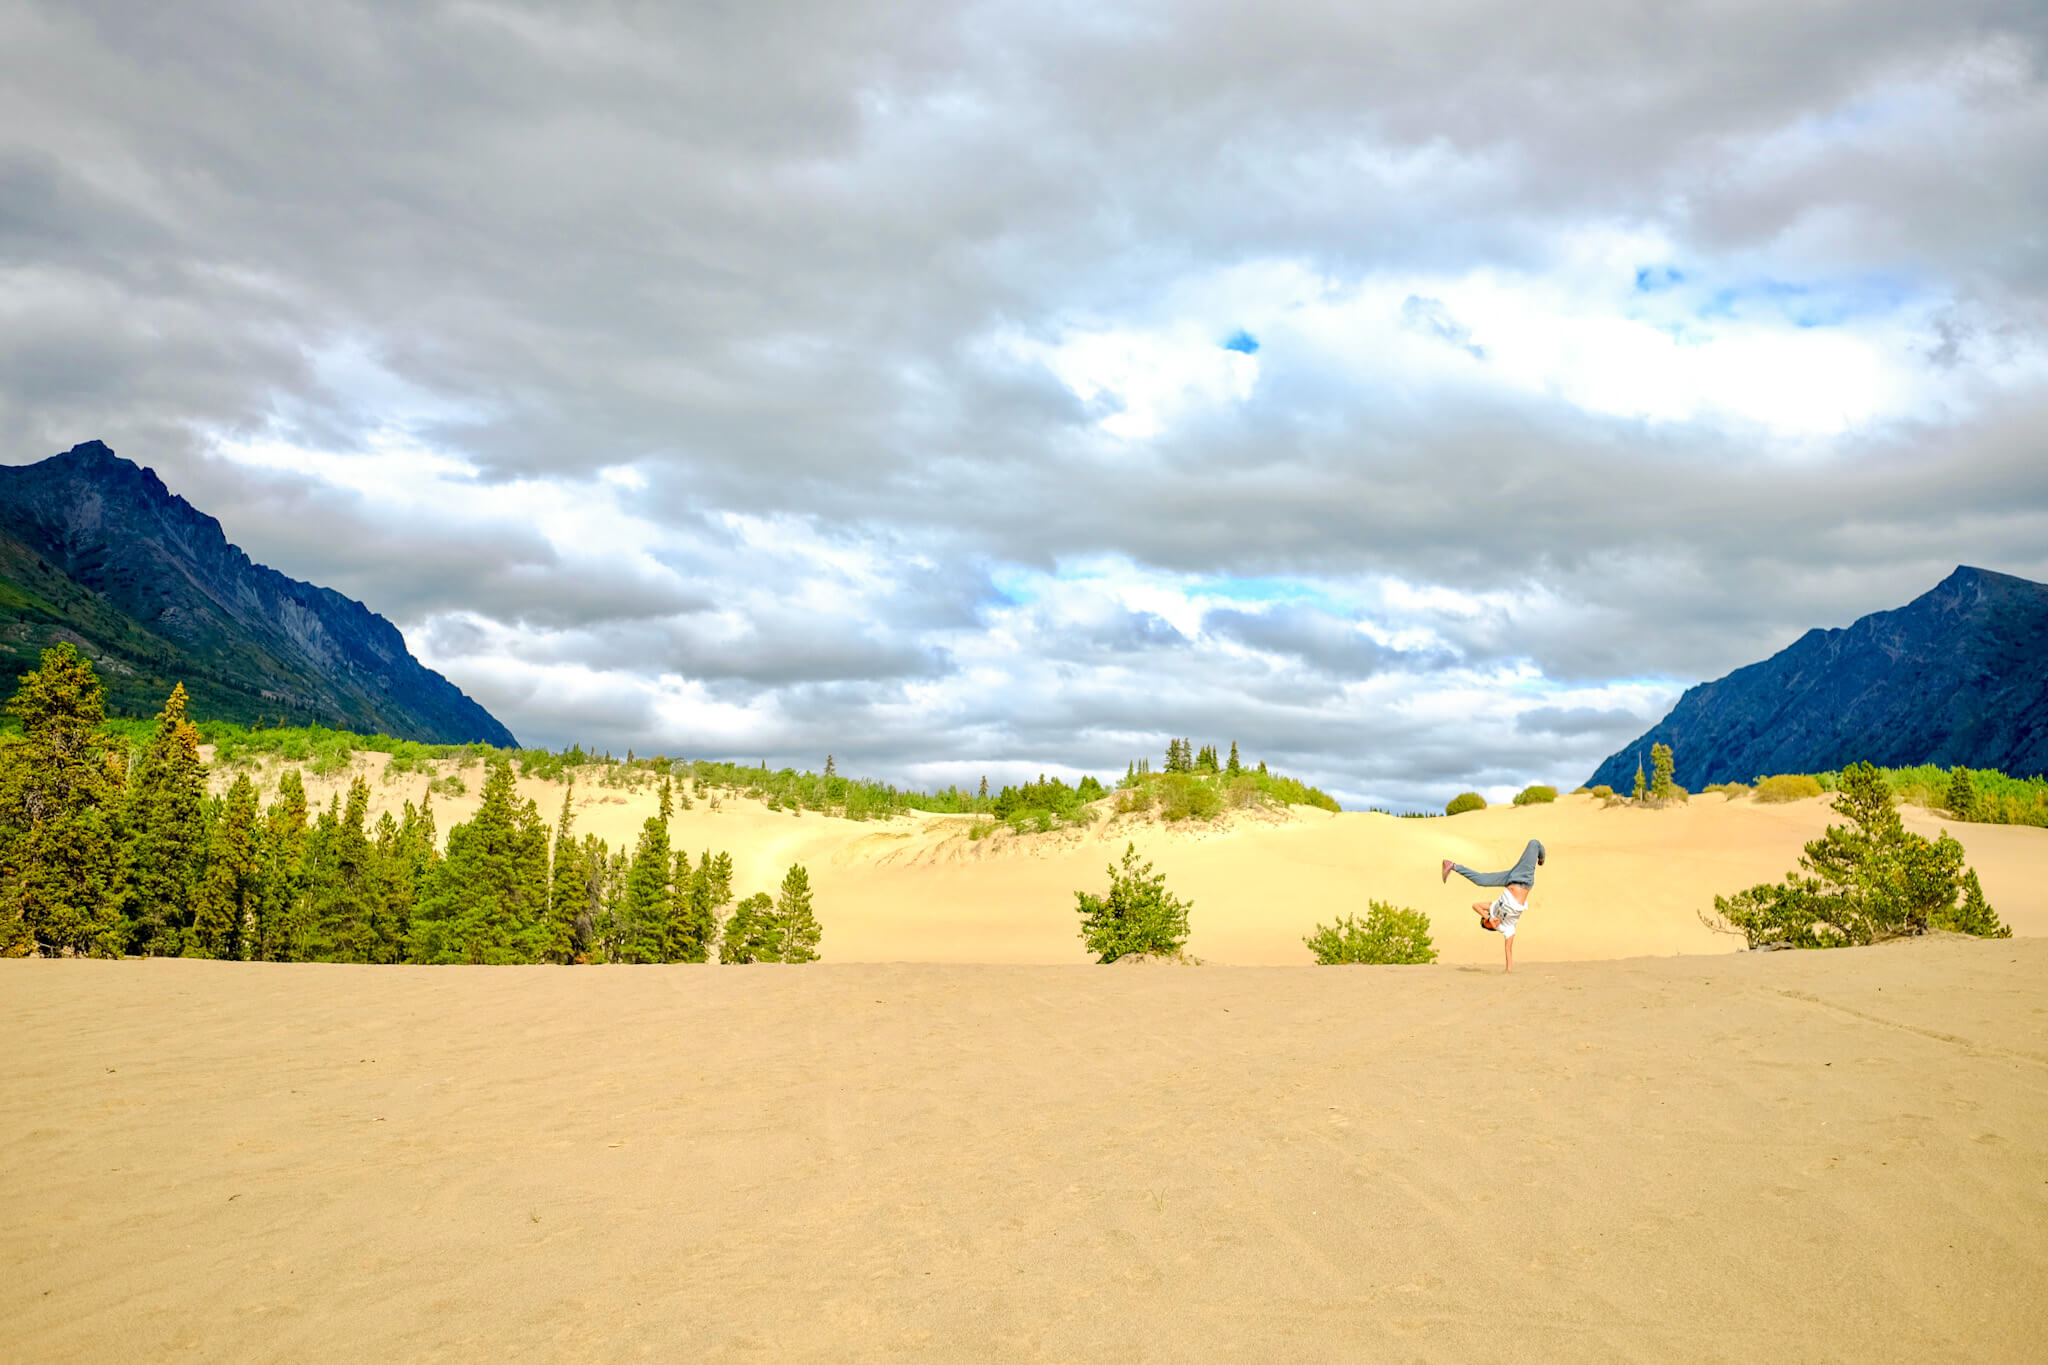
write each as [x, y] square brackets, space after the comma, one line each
[1515, 885]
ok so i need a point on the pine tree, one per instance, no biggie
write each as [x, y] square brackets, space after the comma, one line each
[1642, 785]
[648, 883]
[489, 893]
[344, 910]
[1662, 787]
[751, 934]
[697, 911]
[166, 821]
[1234, 767]
[830, 769]
[794, 919]
[232, 891]
[1975, 915]
[415, 859]
[1962, 794]
[568, 896]
[392, 889]
[982, 795]
[59, 794]
[283, 927]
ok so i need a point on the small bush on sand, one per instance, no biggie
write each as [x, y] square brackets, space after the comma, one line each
[1185, 797]
[1604, 792]
[1863, 882]
[1389, 935]
[1535, 796]
[1787, 787]
[1139, 915]
[1731, 790]
[1465, 801]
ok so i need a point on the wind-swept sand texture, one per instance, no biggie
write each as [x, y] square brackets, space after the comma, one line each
[1810, 1156]
[1620, 882]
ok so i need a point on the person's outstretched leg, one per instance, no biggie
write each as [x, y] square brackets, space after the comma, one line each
[1476, 878]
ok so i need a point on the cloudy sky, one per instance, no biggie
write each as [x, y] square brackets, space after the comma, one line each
[1417, 396]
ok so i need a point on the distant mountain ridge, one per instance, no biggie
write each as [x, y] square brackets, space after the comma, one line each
[1958, 675]
[94, 549]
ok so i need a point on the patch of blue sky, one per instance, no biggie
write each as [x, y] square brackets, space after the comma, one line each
[1269, 590]
[1822, 303]
[1016, 585]
[1243, 342]
[1652, 279]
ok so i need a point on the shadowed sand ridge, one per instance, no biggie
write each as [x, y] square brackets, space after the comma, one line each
[1765, 1156]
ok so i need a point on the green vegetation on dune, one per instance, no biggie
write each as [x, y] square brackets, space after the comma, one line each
[110, 844]
[1862, 882]
[1389, 935]
[1969, 795]
[1198, 785]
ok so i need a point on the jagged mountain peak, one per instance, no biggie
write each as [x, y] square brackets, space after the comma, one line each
[1954, 676]
[99, 550]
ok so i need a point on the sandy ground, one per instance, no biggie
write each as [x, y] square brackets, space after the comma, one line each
[1812, 1156]
[1620, 882]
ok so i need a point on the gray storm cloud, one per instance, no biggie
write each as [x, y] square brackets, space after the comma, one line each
[789, 263]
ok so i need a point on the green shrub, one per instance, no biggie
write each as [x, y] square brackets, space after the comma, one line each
[1860, 883]
[1388, 936]
[1604, 792]
[1731, 790]
[1465, 801]
[981, 829]
[1787, 787]
[1138, 915]
[450, 785]
[1184, 796]
[1535, 796]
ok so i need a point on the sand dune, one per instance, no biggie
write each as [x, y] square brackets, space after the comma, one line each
[1620, 882]
[1813, 1156]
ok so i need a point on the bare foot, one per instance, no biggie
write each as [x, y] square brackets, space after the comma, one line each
[1447, 869]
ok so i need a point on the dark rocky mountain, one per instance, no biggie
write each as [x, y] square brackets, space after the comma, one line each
[95, 550]
[1958, 675]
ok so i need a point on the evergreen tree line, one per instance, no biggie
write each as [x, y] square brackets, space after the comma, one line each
[1183, 757]
[106, 851]
[1197, 782]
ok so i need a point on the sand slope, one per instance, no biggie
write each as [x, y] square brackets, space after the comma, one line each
[1620, 882]
[1817, 1156]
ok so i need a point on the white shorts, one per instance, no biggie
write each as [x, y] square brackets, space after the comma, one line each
[1507, 910]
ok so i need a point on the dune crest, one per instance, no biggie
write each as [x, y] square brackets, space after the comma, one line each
[1621, 881]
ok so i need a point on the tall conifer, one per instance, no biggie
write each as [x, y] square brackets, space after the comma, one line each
[59, 789]
[796, 921]
[166, 819]
[232, 891]
[567, 896]
[696, 921]
[488, 893]
[283, 929]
